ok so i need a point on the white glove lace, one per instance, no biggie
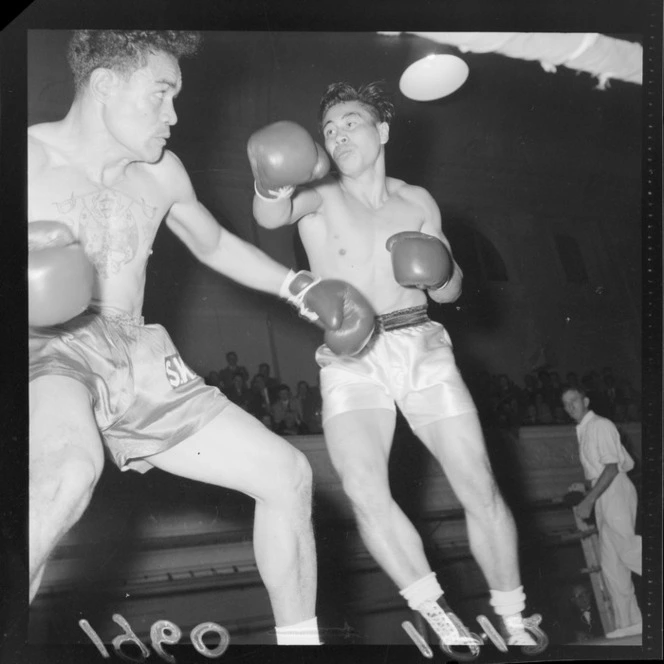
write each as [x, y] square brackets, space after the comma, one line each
[297, 300]
[276, 194]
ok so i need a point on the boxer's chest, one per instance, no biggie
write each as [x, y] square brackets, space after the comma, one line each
[115, 224]
[356, 235]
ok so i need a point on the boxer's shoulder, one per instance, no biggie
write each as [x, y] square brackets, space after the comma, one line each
[38, 134]
[169, 174]
[40, 146]
[409, 192]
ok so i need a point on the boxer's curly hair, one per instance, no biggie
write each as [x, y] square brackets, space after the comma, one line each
[124, 51]
[371, 95]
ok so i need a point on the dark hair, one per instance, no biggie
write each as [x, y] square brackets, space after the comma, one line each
[371, 95]
[124, 51]
[572, 388]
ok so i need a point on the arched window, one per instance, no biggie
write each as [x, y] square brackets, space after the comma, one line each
[476, 254]
[571, 259]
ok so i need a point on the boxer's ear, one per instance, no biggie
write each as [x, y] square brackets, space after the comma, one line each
[103, 83]
[384, 132]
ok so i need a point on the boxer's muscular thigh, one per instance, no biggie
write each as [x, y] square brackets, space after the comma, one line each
[63, 430]
[359, 444]
[238, 452]
[65, 462]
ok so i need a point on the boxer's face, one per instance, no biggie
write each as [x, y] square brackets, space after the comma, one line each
[352, 136]
[139, 112]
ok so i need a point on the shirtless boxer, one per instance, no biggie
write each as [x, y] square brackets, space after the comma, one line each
[384, 236]
[99, 184]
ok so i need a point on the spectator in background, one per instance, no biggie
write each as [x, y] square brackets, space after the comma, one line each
[259, 401]
[543, 413]
[271, 383]
[527, 397]
[507, 402]
[238, 392]
[212, 379]
[627, 402]
[550, 396]
[285, 404]
[559, 415]
[289, 425]
[611, 394]
[613, 498]
[228, 372]
[309, 403]
[578, 614]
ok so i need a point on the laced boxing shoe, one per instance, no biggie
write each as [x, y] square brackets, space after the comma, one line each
[447, 626]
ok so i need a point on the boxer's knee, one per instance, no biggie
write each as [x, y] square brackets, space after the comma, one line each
[481, 496]
[64, 482]
[292, 481]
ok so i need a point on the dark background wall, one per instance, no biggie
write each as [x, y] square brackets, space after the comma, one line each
[515, 159]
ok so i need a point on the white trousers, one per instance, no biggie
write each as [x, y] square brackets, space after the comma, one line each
[620, 547]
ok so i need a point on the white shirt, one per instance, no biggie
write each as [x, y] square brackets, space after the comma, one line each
[599, 445]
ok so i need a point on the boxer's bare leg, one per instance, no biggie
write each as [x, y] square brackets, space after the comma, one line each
[359, 444]
[458, 445]
[237, 452]
[66, 460]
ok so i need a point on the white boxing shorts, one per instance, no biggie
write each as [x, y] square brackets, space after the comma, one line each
[409, 362]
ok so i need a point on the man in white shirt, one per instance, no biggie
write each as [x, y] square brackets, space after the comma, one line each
[613, 497]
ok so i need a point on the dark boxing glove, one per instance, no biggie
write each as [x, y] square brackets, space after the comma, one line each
[336, 306]
[282, 156]
[420, 260]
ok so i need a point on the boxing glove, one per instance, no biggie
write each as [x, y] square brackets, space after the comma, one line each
[420, 260]
[336, 306]
[282, 156]
[60, 276]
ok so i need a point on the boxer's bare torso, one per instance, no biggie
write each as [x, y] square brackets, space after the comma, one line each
[116, 221]
[345, 239]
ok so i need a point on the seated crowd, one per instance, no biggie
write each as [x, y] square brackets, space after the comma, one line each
[268, 399]
[500, 401]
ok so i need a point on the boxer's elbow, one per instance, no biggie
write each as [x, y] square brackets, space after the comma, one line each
[446, 295]
[451, 292]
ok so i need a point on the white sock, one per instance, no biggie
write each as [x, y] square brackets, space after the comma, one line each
[425, 589]
[507, 603]
[304, 633]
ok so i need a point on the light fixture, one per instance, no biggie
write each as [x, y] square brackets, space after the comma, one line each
[434, 76]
